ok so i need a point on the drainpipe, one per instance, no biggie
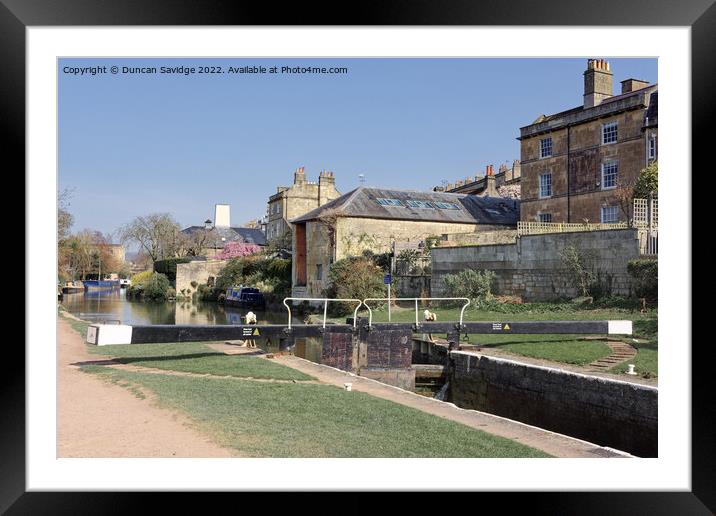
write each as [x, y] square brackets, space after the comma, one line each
[569, 212]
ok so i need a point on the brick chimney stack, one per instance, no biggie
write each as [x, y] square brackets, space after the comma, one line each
[597, 82]
[299, 176]
[326, 177]
[490, 190]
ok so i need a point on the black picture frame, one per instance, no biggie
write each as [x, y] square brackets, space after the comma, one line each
[700, 15]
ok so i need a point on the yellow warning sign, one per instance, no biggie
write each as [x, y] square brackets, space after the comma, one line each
[506, 327]
[256, 332]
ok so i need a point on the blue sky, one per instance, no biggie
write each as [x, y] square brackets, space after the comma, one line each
[134, 144]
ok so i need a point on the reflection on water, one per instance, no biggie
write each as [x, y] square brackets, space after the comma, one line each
[112, 305]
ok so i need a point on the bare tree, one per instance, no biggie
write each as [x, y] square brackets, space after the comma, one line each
[198, 241]
[64, 217]
[623, 193]
[157, 234]
[328, 220]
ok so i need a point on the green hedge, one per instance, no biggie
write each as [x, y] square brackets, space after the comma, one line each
[168, 267]
[646, 278]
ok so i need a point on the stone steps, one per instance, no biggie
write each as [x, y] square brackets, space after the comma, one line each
[621, 352]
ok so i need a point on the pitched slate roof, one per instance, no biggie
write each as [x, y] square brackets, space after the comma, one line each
[245, 235]
[466, 209]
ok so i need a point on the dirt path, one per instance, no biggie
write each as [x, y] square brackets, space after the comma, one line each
[99, 419]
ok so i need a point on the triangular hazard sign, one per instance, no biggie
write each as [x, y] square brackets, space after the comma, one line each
[506, 327]
[256, 332]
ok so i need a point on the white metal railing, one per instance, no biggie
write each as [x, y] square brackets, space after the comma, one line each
[540, 228]
[325, 301]
[416, 299]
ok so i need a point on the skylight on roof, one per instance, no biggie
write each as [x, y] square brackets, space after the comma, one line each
[388, 202]
[419, 204]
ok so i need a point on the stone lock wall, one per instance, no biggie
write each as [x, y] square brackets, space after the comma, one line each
[532, 267]
[606, 412]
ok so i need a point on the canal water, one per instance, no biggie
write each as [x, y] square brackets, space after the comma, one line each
[113, 306]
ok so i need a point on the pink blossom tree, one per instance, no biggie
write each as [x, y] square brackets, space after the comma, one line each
[509, 191]
[236, 250]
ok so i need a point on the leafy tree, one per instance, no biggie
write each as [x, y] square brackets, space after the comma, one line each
[647, 183]
[236, 250]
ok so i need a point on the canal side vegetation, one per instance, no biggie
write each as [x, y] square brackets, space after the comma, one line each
[272, 276]
[151, 286]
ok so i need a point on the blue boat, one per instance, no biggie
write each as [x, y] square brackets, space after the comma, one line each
[100, 284]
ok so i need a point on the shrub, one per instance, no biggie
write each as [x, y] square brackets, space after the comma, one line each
[151, 285]
[579, 269]
[270, 275]
[141, 277]
[645, 273]
[473, 284]
[381, 260]
[353, 278]
[168, 267]
[279, 269]
[157, 287]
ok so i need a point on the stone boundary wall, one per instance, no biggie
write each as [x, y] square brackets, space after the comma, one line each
[498, 236]
[607, 412]
[532, 267]
[198, 271]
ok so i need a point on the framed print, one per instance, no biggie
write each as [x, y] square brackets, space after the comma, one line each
[411, 139]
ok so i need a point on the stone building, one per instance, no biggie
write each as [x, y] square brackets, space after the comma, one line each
[377, 218]
[487, 185]
[213, 236]
[574, 162]
[303, 196]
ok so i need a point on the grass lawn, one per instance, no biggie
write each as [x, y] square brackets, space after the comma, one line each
[566, 348]
[307, 420]
[197, 357]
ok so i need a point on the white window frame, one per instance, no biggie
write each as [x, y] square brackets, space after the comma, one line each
[616, 214]
[616, 175]
[540, 215]
[551, 191]
[651, 147]
[616, 132]
[541, 148]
